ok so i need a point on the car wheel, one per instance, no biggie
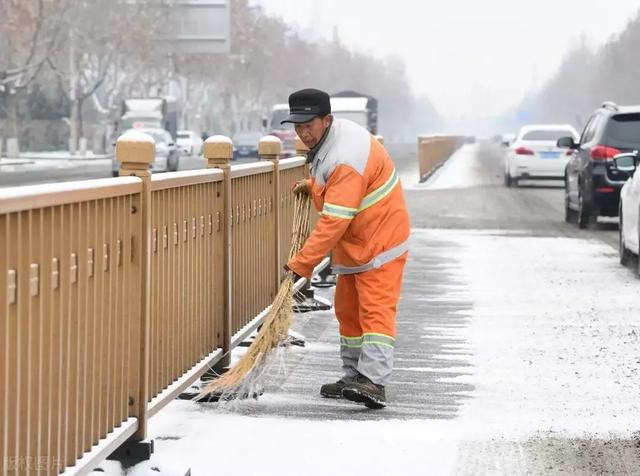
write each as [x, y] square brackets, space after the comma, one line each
[507, 179]
[638, 250]
[172, 165]
[624, 253]
[569, 214]
[584, 214]
[638, 260]
[115, 173]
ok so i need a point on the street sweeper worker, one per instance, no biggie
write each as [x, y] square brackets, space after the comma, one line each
[364, 223]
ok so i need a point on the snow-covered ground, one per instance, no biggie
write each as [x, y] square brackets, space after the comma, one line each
[13, 165]
[554, 333]
[64, 155]
[553, 339]
[539, 335]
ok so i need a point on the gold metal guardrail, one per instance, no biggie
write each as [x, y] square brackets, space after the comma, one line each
[70, 326]
[435, 150]
[117, 294]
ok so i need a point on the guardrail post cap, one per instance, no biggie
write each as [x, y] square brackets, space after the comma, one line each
[269, 147]
[135, 150]
[301, 149]
[218, 150]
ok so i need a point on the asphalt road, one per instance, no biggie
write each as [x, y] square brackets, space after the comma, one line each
[536, 207]
[42, 171]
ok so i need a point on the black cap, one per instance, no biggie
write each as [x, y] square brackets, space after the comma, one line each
[306, 104]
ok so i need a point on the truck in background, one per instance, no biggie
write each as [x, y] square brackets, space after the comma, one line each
[351, 105]
[157, 117]
[356, 107]
[149, 113]
[285, 132]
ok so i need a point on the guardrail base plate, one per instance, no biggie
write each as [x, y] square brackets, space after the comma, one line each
[132, 452]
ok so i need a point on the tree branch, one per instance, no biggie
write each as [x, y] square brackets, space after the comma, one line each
[60, 76]
[36, 33]
[105, 69]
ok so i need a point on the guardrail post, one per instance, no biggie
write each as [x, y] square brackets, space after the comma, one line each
[269, 148]
[136, 152]
[301, 149]
[218, 150]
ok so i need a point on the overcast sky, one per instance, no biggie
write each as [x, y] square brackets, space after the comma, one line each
[472, 58]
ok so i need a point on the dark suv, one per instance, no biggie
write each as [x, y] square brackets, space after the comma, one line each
[592, 182]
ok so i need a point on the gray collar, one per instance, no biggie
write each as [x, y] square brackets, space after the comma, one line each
[311, 155]
[320, 151]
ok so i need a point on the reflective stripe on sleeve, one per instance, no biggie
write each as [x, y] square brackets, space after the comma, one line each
[379, 193]
[339, 211]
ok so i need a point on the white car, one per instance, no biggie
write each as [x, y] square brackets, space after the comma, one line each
[507, 139]
[167, 155]
[629, 208]
[535, 155]
[190, 143]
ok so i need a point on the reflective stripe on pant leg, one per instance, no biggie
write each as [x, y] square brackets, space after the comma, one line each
[378, 294]
[346, 304]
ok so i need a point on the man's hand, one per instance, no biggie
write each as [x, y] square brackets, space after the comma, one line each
[294, 275]
[301, 186]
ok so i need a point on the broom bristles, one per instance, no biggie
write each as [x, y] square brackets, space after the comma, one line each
[245, 374]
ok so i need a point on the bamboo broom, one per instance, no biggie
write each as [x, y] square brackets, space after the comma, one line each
[242, 379]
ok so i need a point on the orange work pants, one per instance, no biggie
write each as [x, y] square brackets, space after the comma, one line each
[366, 305]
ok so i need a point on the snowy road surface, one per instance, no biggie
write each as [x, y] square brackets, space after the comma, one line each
[39, 171]
[517, 353]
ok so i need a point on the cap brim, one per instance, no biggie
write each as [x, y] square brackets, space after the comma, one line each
[299, 118]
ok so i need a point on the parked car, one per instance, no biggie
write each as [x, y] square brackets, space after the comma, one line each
[167, 155]
[534, 154]
[507, 139]
[285, 132]
[593, 182]
[189, 143]
[245, 144]
[629, 208]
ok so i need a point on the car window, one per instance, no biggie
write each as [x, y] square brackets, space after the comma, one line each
[159, 136]
[623, 130]
[589, 131]
[280, 115]
[547, 134]
[245, 138]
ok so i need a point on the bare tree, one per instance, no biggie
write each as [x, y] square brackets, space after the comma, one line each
[102, 51]
[101, 38]
[29, 32]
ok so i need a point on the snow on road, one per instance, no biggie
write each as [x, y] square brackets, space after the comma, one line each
[552, 335]
[460, 171]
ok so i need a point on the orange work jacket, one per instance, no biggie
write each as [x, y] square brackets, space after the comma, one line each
[363, 215]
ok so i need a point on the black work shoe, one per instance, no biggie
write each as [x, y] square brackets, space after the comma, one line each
[333, 390]
[363, 390]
